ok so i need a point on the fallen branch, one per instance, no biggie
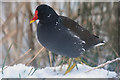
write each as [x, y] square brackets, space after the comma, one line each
[102, 65]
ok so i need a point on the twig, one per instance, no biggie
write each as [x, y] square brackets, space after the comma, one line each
[6, 58]
[93, 23]
[9, 35]
[102, 65]
[114, 50]
[18, 59]
[85, 57]
[21, 32]
[34, 56]
[12, 15]
[49, 53]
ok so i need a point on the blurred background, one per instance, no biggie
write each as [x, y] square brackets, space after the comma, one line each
[18, 35]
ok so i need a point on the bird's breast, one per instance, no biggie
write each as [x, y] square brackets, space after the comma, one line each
[51, 35]
[58, 39]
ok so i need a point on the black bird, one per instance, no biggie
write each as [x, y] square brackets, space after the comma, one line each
[61, 34]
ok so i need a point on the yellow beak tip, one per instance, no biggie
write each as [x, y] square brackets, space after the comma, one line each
[32, 21]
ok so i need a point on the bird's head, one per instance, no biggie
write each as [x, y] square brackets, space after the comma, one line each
[44, 13]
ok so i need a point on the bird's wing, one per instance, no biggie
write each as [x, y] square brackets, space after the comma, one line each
[81, 32]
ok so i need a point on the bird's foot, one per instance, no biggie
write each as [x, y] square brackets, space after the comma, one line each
[70, 68]
[79, 59]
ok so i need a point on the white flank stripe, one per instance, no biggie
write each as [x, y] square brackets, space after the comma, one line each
[99, 44]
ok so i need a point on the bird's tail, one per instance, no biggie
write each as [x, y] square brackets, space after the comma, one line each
[99, 41]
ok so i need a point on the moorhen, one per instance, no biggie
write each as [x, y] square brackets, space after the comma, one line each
[61, 34]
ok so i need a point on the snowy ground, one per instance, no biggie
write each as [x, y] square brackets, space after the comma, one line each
[22, 71]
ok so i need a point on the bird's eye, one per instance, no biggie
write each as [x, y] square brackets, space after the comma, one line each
[49, 15]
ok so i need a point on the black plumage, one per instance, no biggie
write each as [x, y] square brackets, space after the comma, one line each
[62, 35]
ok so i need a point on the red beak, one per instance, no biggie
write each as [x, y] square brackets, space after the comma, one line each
[35, 17]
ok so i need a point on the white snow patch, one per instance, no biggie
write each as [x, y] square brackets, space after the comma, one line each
[20, 70]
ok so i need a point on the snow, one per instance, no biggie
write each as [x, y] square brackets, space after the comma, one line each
[22, 71]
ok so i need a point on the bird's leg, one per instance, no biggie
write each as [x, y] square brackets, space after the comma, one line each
[83, 61]
[69, 63]
[70, 68]
[80, 61]
[62, 64]
[61, 67]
